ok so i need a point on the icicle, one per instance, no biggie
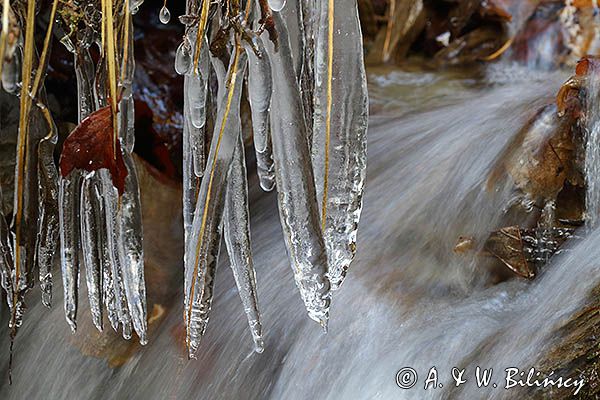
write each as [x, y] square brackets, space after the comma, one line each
[260, 87]
[91, 222]
[132, 252]
[112, 203]
[68, 198]
[191, 182]
[203, 250]
[47, 238]
[339, 143]
[298, 208]
[307, 79]
[236, 232]
[195, 92]
[84, 72]
[108, 288]
[6, 256]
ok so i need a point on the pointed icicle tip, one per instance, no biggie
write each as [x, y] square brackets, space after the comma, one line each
[259, 345]
[72, 324]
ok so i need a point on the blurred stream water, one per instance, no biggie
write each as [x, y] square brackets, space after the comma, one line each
[408, 301]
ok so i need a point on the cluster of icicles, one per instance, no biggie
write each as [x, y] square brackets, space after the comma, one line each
[306, 88]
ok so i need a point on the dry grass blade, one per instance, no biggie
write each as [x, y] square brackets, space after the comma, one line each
[200, 34]
[25, 105]
[109, 42]
[42, 64]
[330, 21]
[388, 30]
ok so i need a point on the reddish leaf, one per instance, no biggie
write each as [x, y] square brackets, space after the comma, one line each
[585, 63]
[90, 147]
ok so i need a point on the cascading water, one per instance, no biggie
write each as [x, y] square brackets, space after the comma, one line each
[411, 300]
[408, 300]
[592, 150]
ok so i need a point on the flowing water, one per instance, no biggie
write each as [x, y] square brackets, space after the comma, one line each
[408, 301]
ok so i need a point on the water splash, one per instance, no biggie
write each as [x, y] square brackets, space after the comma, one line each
[592, 150]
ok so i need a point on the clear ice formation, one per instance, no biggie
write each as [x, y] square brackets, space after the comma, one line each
[339, 133]
[310, 143]
[308, 111]
[105, 226]
[202, 252]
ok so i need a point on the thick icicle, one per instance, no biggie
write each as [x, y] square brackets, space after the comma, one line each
[68, 198]
[203, 250]
[307, 75]
[298, 207]
[339, 137]
[91, 222]
[236, 232]
[260, 87]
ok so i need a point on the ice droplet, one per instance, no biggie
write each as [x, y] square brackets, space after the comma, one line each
[134, 6]
[277, 5]
[164, 15]
[183, 57]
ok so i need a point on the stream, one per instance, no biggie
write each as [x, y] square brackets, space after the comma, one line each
[408, 301]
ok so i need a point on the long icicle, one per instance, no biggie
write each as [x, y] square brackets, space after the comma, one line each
[130, 209]
[206, 230]
[339, 140]
[91, 208]
[298, 208]
[236, 232]
[260, 88]
[20, 279]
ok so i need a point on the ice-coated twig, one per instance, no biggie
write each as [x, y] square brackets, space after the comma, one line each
[339, 134]
[236, 232]
[298, 207]
[203, 250]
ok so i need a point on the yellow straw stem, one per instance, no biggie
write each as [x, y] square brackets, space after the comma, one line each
[112, 66]
[39, 74]
[200, 34]
[330, 18]
[25, 104]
